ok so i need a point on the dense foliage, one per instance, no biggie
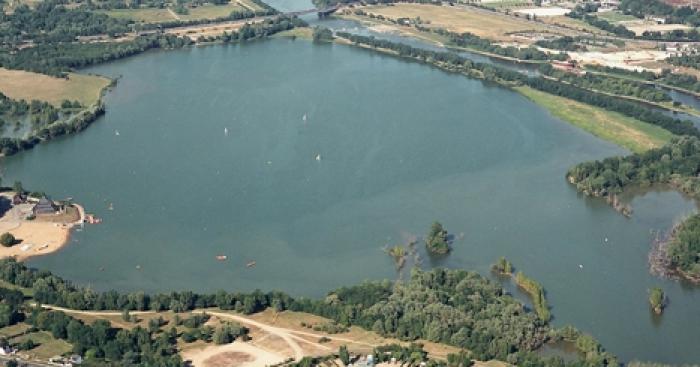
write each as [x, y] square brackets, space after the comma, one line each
[455, 63]
[618, 86]
[51, 21]
[642, 8]
[684, 248]
[566, 43]
[688, 60]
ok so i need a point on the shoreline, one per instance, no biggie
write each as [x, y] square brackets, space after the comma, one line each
[38, 237]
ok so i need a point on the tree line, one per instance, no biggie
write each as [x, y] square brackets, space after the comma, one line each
[455, 307]
[618, 86]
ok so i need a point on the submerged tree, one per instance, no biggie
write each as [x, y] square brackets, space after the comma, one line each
[657, 299]
[437, 241]
[502, 266]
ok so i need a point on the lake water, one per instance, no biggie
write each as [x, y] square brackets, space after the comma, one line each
[400, 145]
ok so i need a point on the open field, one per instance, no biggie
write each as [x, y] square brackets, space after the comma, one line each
[615, 16]
[18, 84]
[577, 24]
[211, 11]
[482, 23]
[640, 26]
[624, 131]
[47, 347]
[156, 15]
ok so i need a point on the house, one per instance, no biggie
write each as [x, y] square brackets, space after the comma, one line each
[7, 351]
[19, 198]
[44, 206]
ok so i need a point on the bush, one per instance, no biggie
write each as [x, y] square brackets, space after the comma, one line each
[7, 239]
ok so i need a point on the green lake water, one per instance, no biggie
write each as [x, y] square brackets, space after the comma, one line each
[400, 145]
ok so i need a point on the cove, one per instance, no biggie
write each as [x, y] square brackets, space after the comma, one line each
[400, 145]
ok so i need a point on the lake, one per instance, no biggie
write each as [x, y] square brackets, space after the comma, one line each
[205, 151]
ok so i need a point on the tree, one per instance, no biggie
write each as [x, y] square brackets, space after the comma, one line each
[7, 239]
[344, 355]
[322, 34]
[656, 299]
[17, 187]
[437, 240]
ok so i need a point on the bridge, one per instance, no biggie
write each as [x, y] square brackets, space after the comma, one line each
[322, 12]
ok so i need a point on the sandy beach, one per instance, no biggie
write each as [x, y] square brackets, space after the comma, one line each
[41, 236]
[234, 354]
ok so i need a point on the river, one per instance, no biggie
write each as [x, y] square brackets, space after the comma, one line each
[213, 156]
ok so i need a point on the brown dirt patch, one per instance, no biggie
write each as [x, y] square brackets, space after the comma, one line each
[228, 359]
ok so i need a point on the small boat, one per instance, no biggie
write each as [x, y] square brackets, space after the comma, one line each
[580, 266]
[111, 206]
[318, 157]
[116, 132]
[221, 257]
[225, 131]
[304, 118]
[250, 264]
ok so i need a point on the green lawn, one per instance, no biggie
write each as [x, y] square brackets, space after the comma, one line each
[614, 127]
[615, 16]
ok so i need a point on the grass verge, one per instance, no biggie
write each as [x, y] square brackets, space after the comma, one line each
[614, 127]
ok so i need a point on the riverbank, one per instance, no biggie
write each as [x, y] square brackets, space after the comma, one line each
[629, 133]
[40, 236]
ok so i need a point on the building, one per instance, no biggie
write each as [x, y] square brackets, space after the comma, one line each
[19, 198]
[44, 206]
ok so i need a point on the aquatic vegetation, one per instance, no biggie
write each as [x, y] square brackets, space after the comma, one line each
[536, 293]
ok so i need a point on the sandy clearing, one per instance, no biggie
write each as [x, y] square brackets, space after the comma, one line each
[544, 12]
[38, 238]
[236, 354]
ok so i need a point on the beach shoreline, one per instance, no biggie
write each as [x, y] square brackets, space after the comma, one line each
[38, 237]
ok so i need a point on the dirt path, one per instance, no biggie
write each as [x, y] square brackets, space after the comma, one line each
[174, 14]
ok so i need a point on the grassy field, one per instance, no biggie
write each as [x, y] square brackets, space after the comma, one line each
[615, 16]
[18, 84]
[155, 15]
[48, 346]
[506, 4]
[624, 131]
[459, 19]
[150, 15]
